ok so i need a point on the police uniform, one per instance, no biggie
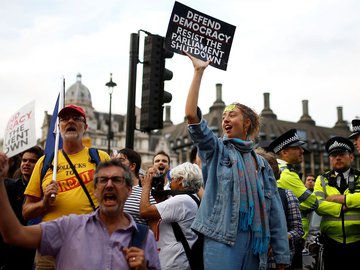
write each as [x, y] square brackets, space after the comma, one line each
[290, 178]
[340, 223]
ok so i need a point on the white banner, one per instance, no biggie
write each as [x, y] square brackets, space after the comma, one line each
[20, 131]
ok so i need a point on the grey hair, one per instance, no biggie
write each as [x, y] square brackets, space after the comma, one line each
[191, 174]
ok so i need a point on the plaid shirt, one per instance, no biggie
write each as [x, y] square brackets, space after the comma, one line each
[294, 225]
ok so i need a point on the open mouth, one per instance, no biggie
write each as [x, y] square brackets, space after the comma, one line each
[109, 199]
[227, 128]
[70, 129]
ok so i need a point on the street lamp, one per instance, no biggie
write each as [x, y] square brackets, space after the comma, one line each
[110, 86]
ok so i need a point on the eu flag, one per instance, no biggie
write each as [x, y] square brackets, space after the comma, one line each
[50, 140]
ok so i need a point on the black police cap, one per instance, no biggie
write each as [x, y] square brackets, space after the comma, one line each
[288, 139]
[355, 128]
[339, 144]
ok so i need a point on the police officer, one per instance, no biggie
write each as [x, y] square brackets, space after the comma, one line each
[355, 136]
[338, 192]
[289, 151]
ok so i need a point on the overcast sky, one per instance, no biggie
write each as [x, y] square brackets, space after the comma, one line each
[294, 50]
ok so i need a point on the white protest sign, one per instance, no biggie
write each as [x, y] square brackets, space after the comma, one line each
[20, 131]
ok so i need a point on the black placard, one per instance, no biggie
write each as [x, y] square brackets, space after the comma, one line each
[203, 36]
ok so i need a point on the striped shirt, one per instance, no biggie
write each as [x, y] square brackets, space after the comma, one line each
[132, 204]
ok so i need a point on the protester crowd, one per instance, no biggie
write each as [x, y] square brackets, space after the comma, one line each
[248, 208]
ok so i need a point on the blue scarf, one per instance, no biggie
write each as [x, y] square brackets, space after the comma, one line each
[253, 213]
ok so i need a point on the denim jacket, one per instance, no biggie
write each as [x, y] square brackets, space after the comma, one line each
[218, 215]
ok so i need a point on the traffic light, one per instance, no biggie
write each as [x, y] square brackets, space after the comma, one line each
[154, 75]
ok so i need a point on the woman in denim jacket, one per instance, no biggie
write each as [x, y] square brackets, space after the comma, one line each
[241, 213]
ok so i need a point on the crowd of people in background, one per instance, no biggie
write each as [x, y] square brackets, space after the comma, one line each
[251, 206]
[9, 255]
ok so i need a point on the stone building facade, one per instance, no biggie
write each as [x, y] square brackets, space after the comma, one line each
[97, 133]
[174, 139]
[316, 159]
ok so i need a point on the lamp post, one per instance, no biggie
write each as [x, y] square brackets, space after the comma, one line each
[110, 86]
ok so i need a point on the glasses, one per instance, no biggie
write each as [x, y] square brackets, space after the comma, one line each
[116, 180]
[76, 118]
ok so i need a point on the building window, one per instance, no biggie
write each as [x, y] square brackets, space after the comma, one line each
[103, 142]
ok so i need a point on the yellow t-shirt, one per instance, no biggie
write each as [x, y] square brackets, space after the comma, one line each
[71, 198]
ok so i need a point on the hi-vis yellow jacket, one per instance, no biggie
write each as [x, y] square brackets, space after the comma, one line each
[337, 224]
[289, 179]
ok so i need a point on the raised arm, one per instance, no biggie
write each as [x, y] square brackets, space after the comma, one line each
[12, 231]
[147, 210]
[193, 95]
